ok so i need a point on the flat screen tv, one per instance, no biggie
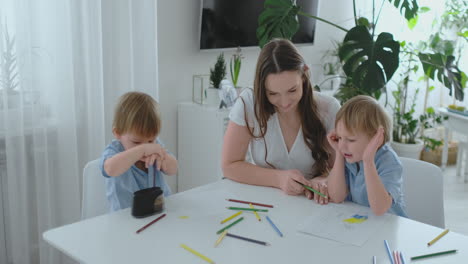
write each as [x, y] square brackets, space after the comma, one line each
[233, 23]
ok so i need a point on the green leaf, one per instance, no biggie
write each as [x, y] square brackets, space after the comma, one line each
[412, 22]
[442, 68]
[362, 21]
[424, 9]
[408, 8]
[278, 19]
[369, 64]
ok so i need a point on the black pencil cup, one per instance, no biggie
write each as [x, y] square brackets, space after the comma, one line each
[147, 202]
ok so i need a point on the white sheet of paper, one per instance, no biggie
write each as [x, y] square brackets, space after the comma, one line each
[328, 222]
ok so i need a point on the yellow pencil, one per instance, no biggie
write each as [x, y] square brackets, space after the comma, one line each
[220, 238]
[256, 214]
[231, 217]
[197, 254]
[437, 237]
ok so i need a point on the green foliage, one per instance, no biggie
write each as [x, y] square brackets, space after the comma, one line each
[370, 64]
[442, 68]
[235, 66]
[219, 72]
[407, 8]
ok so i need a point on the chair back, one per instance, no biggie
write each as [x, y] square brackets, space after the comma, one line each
[423, 191]
[94, 200]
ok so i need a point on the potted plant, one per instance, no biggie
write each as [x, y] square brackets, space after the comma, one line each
[235, 66]
[217, 74]
[331, 70]
[369, 61]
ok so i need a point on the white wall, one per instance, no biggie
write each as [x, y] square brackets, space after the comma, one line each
[179, 57]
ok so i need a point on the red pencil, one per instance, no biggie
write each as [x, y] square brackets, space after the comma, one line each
[247, 202]
[150, 223]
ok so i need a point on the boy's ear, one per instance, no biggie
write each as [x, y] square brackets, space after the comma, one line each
[116, 133]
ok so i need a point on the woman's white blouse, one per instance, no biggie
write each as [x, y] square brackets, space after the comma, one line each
[299, 157]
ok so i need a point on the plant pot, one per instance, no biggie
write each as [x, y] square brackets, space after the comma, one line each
[435, 156]
[412, 151]
[212, 97]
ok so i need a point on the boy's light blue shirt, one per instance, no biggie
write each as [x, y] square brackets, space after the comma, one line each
[390, 171]
[120, 189]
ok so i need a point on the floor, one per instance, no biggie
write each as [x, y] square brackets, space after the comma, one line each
[455, 201]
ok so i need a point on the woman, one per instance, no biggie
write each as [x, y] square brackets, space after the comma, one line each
[286, 128]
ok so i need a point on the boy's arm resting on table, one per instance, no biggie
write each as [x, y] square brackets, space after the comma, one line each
[379, 199]
[337, 187]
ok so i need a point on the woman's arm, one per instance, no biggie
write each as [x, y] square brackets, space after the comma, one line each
[235, 145]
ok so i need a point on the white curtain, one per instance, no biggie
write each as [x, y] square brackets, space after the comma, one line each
[63, 68]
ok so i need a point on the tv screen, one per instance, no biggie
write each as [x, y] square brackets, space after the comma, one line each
[233, 23]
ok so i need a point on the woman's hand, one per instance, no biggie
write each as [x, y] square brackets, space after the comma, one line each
[289, 179]
[319, 184]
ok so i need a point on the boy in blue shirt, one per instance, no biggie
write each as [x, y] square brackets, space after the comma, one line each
[366, 170]
[136, 158]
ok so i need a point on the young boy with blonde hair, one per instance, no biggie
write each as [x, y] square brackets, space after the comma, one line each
[136, 158]
[366, 170]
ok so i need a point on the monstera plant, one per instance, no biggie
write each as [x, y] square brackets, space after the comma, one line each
[369, 60]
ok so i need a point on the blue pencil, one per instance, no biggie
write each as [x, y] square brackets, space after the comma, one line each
[274, 226]
[388, 251]
[402, 258]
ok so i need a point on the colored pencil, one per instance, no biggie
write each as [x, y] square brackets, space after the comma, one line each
[248, 239]
[311, 189]
[374, 260]
[402, 258]
[434, 254]
[396, 257]
[247, 202]
[220, 238]
[255, 213]
[437, 237]
[230, 225]
[197, 254]
[388, 252]
[274, 226]
[150, 223]
[231, 217]
[247, 209]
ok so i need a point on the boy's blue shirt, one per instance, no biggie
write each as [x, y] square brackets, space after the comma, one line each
[120, 189]
[390, 171]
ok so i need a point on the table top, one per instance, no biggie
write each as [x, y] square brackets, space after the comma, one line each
[194, 216]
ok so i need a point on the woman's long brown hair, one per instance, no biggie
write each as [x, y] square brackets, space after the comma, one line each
[277, 56]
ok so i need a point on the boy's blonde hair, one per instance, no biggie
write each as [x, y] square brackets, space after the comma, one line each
[137, 113]
[364, 114]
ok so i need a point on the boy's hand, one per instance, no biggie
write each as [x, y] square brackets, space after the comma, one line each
[153, 152]
[333, 140]
[374, 144]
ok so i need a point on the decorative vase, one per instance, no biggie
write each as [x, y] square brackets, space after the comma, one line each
[212, 97]
[412, 151]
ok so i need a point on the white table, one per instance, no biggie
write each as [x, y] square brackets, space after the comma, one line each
[111, 238]
[455, 122]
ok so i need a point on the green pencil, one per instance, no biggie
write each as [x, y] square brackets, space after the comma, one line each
[230, 225]
[312, 189]
[434, 254]
[247, 209]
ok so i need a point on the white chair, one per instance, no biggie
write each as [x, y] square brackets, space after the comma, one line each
[94, 200]
[423, 190]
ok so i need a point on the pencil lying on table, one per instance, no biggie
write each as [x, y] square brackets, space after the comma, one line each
[248, 239]
[247, 202]
[247, 209]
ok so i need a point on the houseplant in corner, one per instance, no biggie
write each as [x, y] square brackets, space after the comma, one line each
[217, 74]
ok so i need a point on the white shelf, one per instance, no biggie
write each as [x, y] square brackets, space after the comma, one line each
[200, 134]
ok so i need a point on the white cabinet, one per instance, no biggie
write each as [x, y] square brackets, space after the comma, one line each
[200, 134]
